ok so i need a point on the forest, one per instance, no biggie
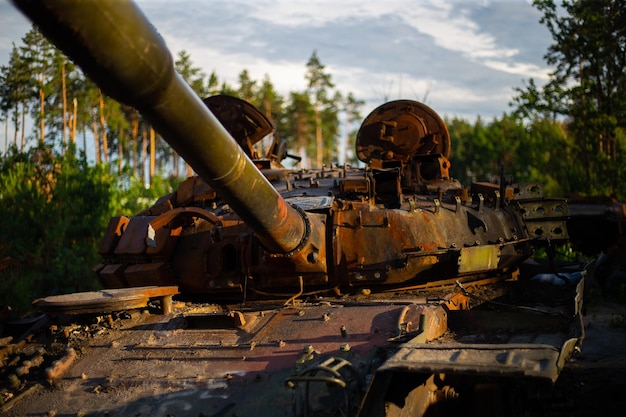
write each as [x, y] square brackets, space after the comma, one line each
[569, 134]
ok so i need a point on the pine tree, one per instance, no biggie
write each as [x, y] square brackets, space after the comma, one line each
[14, 94]
[299, 126]
[270, 103]
[352, 108]
[324, 105]
[195, 79]
[38, 54]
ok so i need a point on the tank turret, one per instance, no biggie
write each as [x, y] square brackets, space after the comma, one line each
[247, 225]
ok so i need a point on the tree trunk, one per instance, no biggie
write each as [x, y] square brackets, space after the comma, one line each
[16, 123]
[175, 163]
[74, 121]
[96, 138]
[301, 140]
[23, 127]
[42, 124]
[135, 140]
[319, 144]
[121, 152]
[144, 153]
[105, 144]
[6, 134]
[64, 97]
[152, 154]
[84, 131]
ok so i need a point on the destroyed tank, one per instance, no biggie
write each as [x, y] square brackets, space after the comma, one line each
[401, 222]
[389, 290]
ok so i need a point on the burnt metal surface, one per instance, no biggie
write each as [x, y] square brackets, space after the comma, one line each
[400, 130]
[107, 300]
[243, 121]
[165, 364]
[378, 291]
[330, 356]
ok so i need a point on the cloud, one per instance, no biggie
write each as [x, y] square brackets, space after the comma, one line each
[448, 23]
[464, 54]
[451, 29]
[519, 68]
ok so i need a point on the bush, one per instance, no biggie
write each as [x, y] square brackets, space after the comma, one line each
[53, 212]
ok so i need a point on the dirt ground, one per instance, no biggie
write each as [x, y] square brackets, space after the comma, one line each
[594, 382]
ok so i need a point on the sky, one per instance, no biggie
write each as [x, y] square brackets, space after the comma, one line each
[462, 58]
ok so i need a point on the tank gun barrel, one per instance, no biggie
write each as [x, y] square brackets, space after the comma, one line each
[117, 47]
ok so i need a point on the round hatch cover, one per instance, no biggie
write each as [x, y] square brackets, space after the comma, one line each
[401, 129]
[102, 301]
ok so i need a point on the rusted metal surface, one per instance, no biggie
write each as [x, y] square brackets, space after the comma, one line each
[242, 120]
[400, 130]
[338, 291]
[107, 300]
[266, 359]
[373, 243]
[162, 363]
[545, 218]
[394, 246]
[498, 348]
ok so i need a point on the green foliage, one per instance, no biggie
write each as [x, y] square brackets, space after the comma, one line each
[138, 196]
[586, 90]
[299, 128]
[192, 75]
[325, 104]
[561, 253]
[14, 93]
[529, 152]
[352, 107]
[53, 211]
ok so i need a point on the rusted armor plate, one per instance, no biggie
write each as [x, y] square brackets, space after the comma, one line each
[103, 301]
